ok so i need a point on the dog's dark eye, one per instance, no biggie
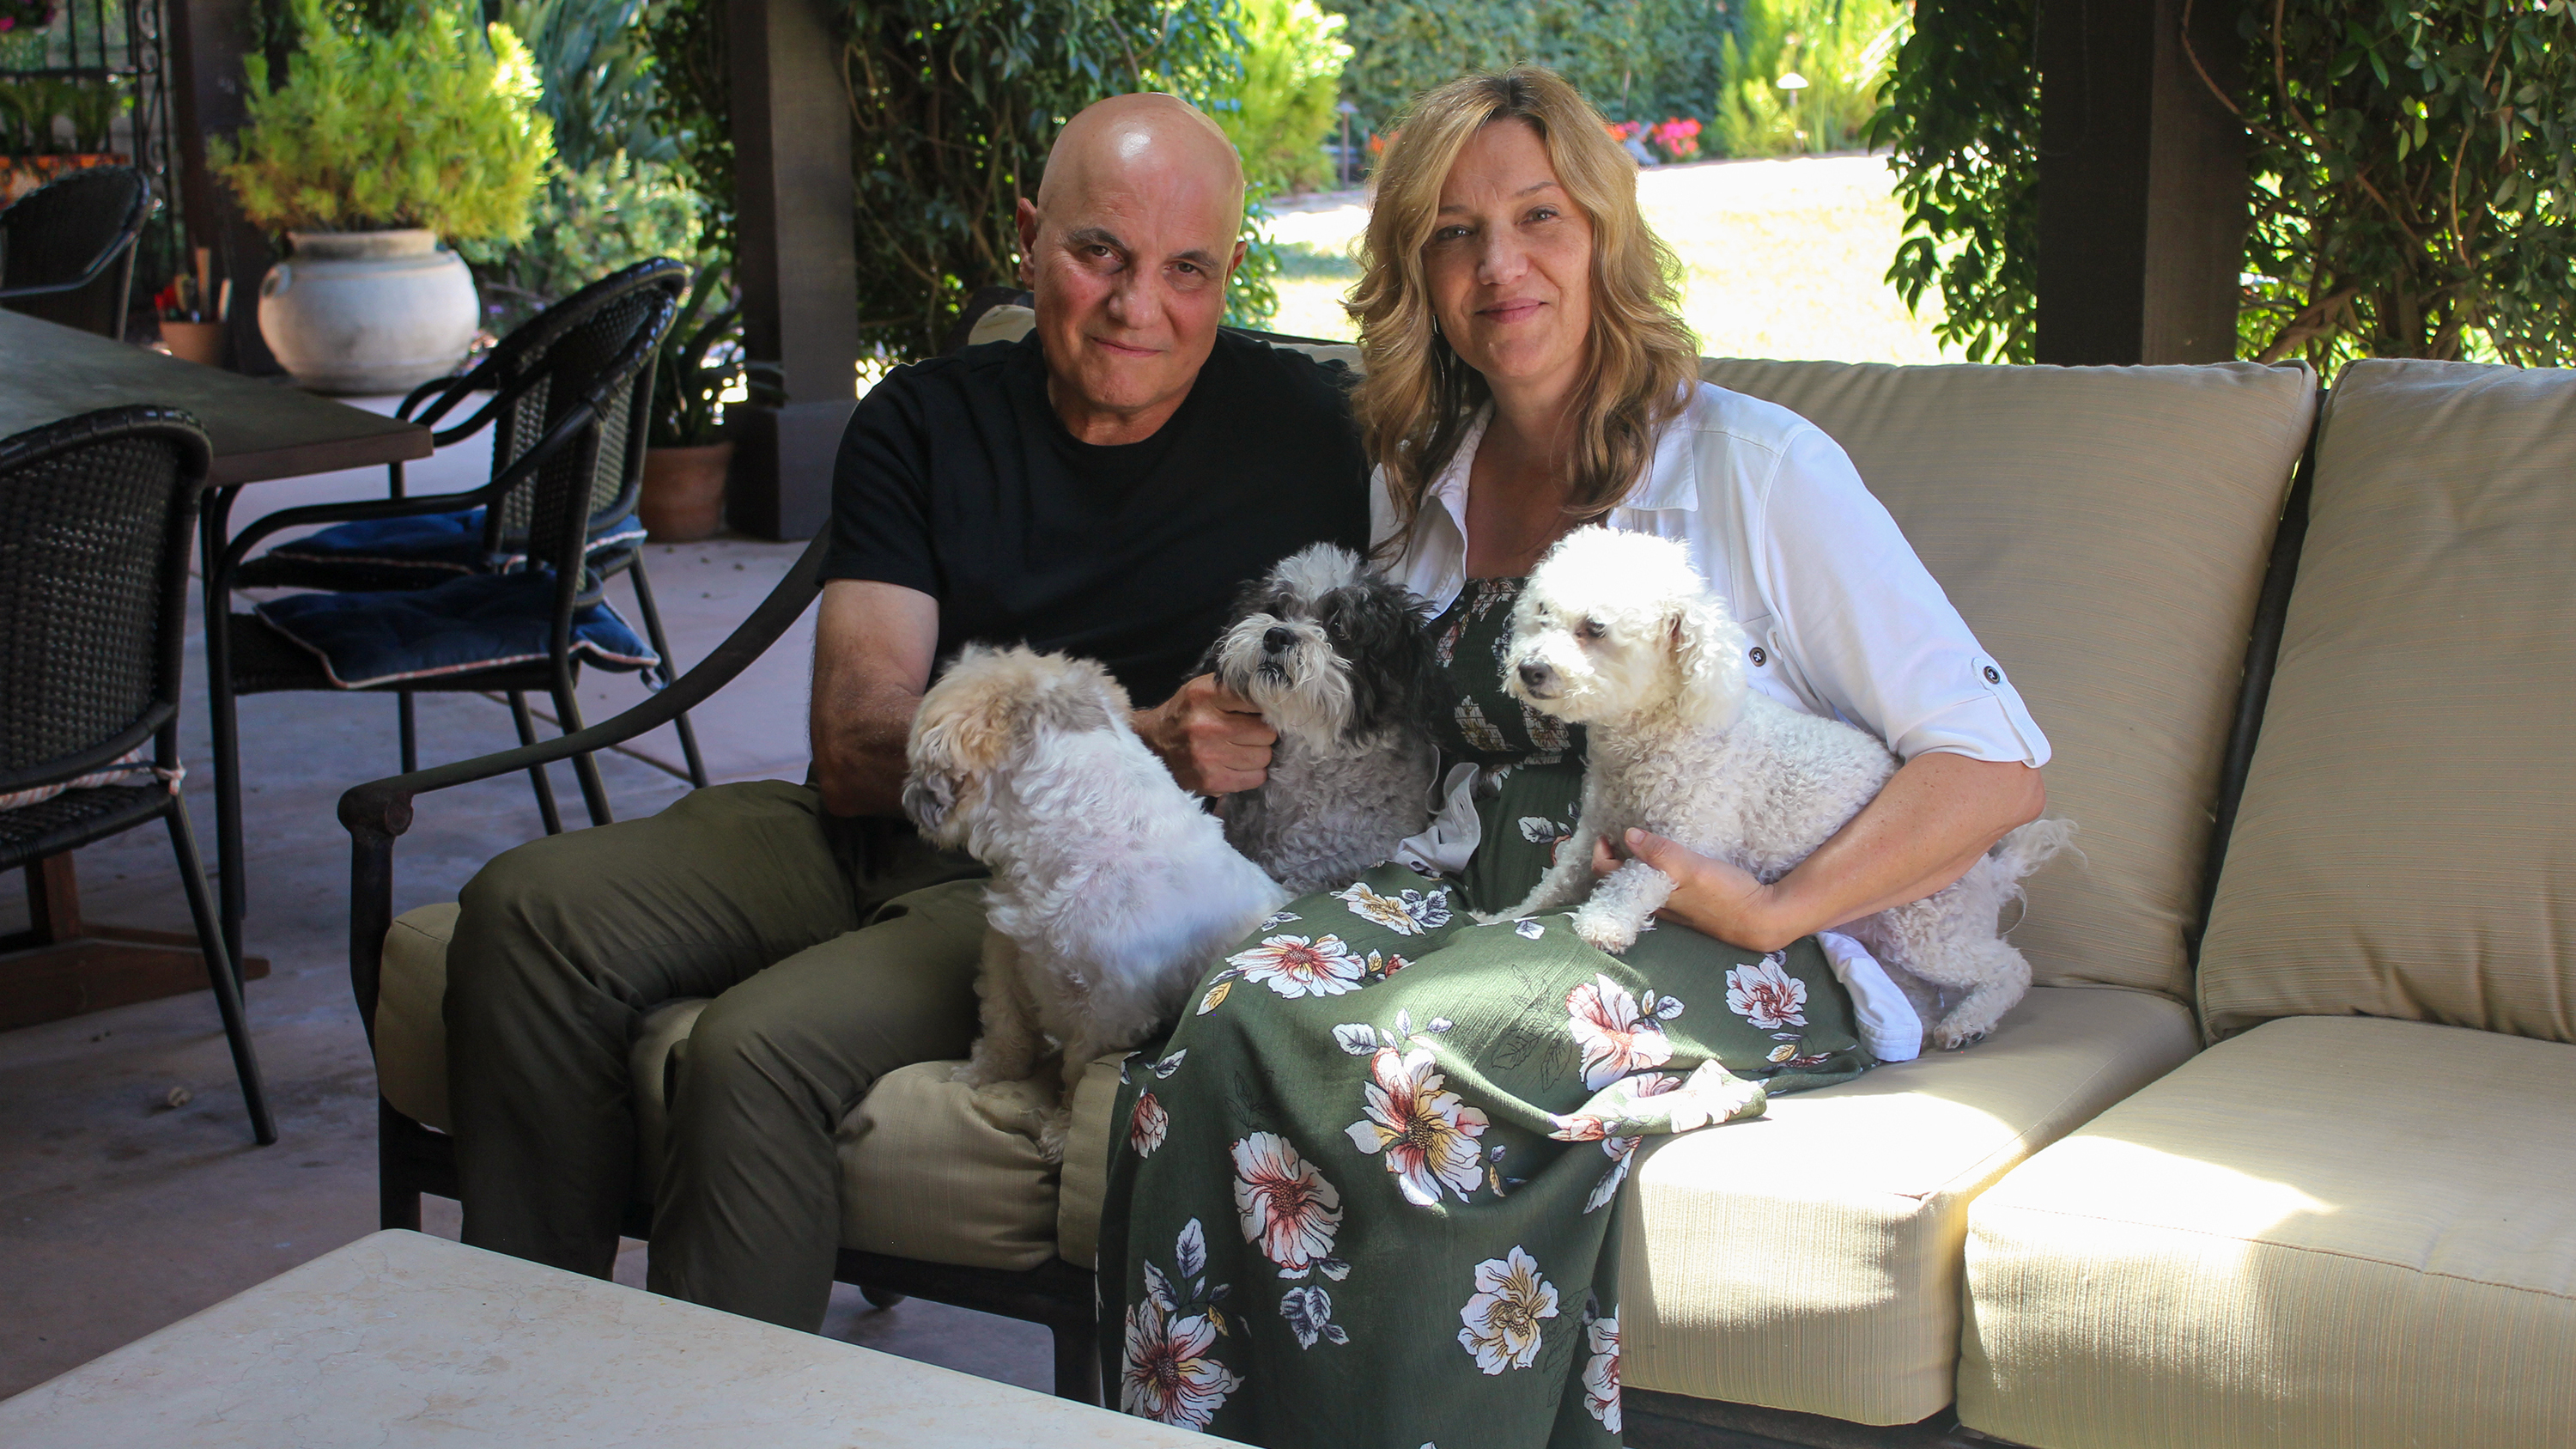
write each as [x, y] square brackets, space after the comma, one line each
[1589, 629]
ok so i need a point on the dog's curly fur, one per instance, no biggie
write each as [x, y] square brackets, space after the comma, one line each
[1112, 889]
[1340, 663]
[1617, 632]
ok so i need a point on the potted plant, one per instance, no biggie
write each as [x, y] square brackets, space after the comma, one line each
[687, 455]
[379, 144]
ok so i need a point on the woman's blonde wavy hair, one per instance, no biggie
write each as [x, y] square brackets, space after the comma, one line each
[1418, 396]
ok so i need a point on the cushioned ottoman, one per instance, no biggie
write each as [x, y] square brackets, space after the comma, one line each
[2328, 1231]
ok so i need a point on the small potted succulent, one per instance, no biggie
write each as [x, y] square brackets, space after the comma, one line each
[378, 146]
[687, 455]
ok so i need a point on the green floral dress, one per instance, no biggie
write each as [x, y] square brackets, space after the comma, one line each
[1363, 1198]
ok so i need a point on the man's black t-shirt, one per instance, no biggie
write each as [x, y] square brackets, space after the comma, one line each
[957, 479]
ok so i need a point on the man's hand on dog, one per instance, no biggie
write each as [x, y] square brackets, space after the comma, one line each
[1212, 739]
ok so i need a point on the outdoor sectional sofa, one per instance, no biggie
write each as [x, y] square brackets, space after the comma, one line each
[2302, 1180]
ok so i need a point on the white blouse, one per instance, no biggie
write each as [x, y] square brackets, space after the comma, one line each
[1842, 619]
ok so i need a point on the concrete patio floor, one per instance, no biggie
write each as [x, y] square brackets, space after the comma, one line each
[120, 1213]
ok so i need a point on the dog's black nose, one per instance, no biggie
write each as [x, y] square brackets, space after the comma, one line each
[1277, 639]
[1535, 675]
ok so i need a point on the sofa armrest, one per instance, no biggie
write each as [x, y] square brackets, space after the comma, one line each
[377, 812]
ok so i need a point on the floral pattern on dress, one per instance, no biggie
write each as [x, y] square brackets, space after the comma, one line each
[1618, 1032]
[1309, 1312]
[1425, 1134]
[1286, 1206]
[1406, 913]
[1623, 1154]
[1766, 995]
[1478, 731]
[1147, 1125]
[1601, 1371]
[1301, 965]
[1169, 1373]
[1505, 1315]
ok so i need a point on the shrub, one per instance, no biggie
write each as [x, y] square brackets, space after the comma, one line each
[2412, 169]
[426, 124]
[1841, 48]
[2414, 172]
[1280, 110]
[1961, 114]
[953, 105]
[585, 225]
[1641, 60]
[616, 194]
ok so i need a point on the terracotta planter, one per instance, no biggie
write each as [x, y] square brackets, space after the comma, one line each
[684, 490]
[198, 342]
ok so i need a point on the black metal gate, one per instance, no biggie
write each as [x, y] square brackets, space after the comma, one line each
[85, 82]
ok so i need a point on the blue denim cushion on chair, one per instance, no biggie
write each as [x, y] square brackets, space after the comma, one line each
[480, 621]
[393, 553]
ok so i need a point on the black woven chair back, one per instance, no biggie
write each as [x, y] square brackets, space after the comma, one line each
[69, 253]
[553, 361]
[96, 518]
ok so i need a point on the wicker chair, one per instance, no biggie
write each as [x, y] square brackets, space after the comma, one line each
[522, 365]
[67, 248]
[570, 422]
[96, 514]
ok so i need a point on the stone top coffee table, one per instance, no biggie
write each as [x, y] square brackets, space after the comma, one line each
[400, 1339]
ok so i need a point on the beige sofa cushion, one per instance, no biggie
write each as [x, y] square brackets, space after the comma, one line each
[411, 1025]
[929, 1169]
[1809, 1260]
[2409, 828]
[2104, 530]
[2326, 1232]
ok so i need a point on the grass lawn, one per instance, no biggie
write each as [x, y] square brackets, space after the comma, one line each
[1784, 259]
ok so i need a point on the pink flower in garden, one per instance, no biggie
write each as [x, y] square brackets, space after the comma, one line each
[1286, 1205]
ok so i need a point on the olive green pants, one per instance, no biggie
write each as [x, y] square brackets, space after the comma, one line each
[835, 951]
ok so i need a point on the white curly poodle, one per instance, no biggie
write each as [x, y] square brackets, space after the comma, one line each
[1617, 632]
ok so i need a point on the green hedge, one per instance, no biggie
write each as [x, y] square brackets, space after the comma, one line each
[1636, 60]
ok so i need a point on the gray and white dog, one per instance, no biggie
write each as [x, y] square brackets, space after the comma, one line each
[1340, 663]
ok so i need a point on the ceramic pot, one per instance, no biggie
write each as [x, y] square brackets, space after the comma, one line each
[367, 311]
[198, 342]
[684, 491]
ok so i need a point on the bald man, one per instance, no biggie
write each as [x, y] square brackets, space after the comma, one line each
[1103, 487]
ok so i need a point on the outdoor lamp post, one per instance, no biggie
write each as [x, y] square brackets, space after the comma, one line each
[1342, 163]
[1794, 83]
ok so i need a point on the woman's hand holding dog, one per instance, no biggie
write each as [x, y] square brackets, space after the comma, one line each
[1929, 824]
[1211, 739]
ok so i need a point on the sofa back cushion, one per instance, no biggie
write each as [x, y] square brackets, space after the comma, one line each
[2407, 843]
[2104, 530]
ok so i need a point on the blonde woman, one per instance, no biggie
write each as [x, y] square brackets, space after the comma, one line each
[1364, 1194]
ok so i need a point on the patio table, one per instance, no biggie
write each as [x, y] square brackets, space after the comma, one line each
[403, 1340]
[260, 431]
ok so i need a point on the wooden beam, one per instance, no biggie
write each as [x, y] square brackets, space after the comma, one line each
[208, 40]
[2142, 206]
[797, 260]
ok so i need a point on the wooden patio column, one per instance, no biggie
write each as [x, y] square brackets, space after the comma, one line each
[797, 261]
[2142, 207]
[207, 40]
